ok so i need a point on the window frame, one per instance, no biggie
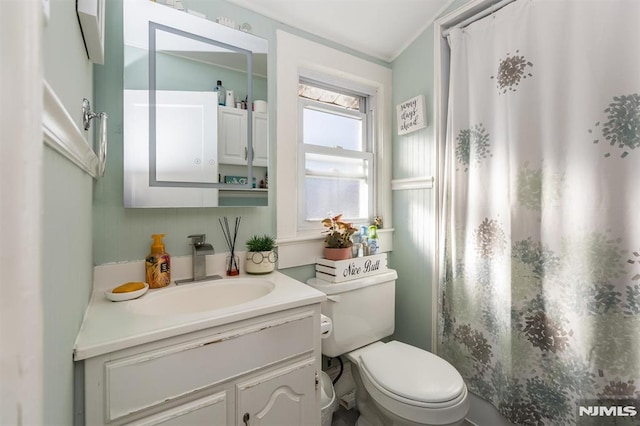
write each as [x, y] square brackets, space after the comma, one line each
[297, 58]
[367, 153]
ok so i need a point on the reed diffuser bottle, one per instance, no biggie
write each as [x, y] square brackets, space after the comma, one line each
[232, 262]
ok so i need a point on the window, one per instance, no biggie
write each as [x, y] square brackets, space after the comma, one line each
[335, 155]
[300, 60]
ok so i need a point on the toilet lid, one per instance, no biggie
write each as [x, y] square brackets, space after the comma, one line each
[412, 373]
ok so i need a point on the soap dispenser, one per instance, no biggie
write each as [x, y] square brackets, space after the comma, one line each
[158, 264]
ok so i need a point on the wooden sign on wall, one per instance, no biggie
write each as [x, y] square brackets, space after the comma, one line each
[410, 115]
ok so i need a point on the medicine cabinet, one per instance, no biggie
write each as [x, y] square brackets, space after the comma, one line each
[183, 147]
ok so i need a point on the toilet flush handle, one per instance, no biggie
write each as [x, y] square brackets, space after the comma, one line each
[333, 298]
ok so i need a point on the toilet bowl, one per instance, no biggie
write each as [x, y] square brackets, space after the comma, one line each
[409, 386]
[396, 383]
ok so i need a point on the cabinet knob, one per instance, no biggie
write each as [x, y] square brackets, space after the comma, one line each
[245, 419]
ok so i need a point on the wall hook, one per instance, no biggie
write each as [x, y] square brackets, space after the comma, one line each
[87, 116]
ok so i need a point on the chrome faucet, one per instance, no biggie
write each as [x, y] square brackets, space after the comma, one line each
[200, 250]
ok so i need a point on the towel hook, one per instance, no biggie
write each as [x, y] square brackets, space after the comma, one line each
[87, 116]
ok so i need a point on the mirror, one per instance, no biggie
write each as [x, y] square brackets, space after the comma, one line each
[186, 142]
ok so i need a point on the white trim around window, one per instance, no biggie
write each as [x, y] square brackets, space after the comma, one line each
[296, 58]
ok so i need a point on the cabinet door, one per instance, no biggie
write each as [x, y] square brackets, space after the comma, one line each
[282, 397]
[186, 130]
[195, 163]
[232, 140]
[210, 410]
[260, 139]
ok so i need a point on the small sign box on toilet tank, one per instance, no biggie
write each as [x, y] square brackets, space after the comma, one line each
[337, 271]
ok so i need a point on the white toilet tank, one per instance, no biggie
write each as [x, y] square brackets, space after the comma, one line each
[362, 311]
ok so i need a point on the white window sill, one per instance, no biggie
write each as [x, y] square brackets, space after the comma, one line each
[305, 250]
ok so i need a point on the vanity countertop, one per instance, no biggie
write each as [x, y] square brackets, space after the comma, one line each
[111, 326]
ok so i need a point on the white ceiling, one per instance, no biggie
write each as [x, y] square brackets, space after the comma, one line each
[379, 28]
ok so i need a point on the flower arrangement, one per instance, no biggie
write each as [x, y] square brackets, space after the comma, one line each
[338, 233]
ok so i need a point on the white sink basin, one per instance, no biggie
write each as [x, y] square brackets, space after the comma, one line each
[201, 297]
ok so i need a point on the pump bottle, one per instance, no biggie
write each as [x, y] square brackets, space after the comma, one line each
[158, 264]
[374, 245]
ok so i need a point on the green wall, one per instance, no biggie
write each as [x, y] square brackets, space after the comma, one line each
[177, 73]
[66, 66]
[67, 277]
[67, 234]
[414, 211]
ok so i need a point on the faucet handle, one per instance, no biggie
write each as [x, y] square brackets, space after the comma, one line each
[197, 239]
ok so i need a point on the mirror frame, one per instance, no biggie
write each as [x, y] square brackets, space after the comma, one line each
[152, 51]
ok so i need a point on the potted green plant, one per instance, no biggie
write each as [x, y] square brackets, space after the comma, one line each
[337, 241]
[261, 258]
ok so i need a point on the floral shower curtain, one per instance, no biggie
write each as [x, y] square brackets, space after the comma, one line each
[540, 284]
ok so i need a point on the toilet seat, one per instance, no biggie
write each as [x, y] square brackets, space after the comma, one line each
[412, 373]
[413, 384]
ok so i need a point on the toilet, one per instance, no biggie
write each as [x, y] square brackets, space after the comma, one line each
[396, 383]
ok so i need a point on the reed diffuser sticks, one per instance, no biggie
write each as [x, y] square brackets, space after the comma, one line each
[232, 265]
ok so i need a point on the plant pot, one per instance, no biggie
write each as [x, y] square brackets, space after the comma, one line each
[337, 253]
[260, 262]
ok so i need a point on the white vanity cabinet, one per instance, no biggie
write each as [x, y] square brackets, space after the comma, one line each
[232, 136]
[281, 397]
[258, 371]
[210, 410]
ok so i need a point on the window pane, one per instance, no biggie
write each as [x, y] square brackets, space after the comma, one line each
[336, 160]
[324, 195]
[336, 166]
[331, 130]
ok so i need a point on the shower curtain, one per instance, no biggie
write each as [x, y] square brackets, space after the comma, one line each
[539, 305]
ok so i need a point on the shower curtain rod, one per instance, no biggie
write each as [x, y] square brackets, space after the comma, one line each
[484, 12]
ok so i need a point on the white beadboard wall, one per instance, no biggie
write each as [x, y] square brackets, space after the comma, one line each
[411, 257]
